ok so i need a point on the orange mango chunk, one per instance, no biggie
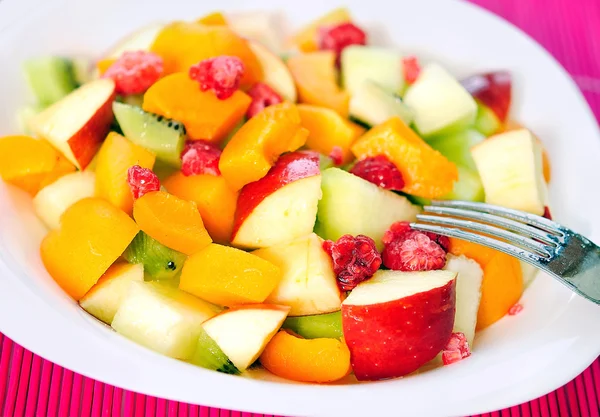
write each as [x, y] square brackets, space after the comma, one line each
[215, 200]
[306, 360]
[316, 80]
[203, 114]
[253, 149]
[104, 64]
[174, 222]
[213, 19]
[115, 157]
[92, 236]
[306, 39]
[31, 164]
[502, 284]
[227, 276]
[183, 44]
[426, 172]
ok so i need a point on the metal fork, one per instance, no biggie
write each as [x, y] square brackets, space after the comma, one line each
[569, 257]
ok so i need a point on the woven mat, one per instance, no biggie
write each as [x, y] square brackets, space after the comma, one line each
[31, 386]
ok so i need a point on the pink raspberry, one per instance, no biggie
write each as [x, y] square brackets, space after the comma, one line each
[199, 157]
[336, 38]
[516, 309]
[398, 230]
[380, 171]
[412, 69]
[355, 259]
[221, 74]
[337, 155]
[262, 96]
[142, 181]
[456, 349]
[135, 72]
[410, 250]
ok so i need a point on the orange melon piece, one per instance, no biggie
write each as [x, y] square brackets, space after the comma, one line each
[203, 114]
[426, 172]
[115, 157]
[306, 39]
[213, 19]
[92, 236]
[227, 276]
[31, 164]
[174, 222]
[306, 360]
[316, 80]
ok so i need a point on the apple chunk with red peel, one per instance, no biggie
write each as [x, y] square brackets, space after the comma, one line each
[281, 206]
[77, 124]
[493, 90]
[396, 322]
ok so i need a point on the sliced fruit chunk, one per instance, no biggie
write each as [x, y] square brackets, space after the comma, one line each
[160, 262]
[50, 78]
[104, 299]
[308, 284]
[369, 63]
[371, 105]
[282, 205]
[486, 121]
[440, 103]
[210, 356]
[306, 39]
[140, 40]
[52, 201]
[93, 234]
[306, 360]
[253, 149]
[243, 332]
[228, 276]
[547, 168]
[492, 90]
[162, 318]
[316, 80]
[351, 205]
[276, 73]
[457, 147]
[163, 137]
[396, 322]
[316, 326]
[77, 124]
[467, 188]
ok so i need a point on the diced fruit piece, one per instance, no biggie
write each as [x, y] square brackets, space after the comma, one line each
[351, 205]
[502, 284]
[213, 19]
[276, 73]
[354, 258]
[253, 149]
[317, 326]
[493, 90]
[140, 40]
[372, 105]
[306, 39]
[52, 201]
[398, 321]
[163, 137]
[183, 44]
[512, 125]
[486, 121]
[426, 172]
[215, 200]
[440, 103]
[203, 114]
[468, 293]
[338, 38]
[31, 164]
[115, 157]
[229, 276]
[457, 147]
[77, 124]
[50, 78]
[104, 299]
[93, 234]
[160, 262]
[316, 81]
[262, 96]
[308, 284]
[375, 64]
[306, 360]
[282, 205]
[210, 356]
[380, 171]
[259, 26]
[467, 188]
[510, 166]
[162, 318]
[243, 332]
[456, 349]
[134, 72]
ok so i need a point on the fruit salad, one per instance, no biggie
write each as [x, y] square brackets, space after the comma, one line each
[239, 198]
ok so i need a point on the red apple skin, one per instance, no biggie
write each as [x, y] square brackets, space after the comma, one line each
[288, 168]
[395, 338]
[492, 89]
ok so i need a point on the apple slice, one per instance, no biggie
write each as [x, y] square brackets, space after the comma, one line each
[396, 322]
[243, 332]
[309, 285]
[282, 205]
[77, 124]
[276, 73]
[492, 90]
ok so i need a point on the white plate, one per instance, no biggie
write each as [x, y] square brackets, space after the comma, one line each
[555, 337]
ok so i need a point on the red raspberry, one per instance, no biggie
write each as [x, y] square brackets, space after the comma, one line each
[410, 250]
[199, 157]
[135, 72]
[336, 38]
[547, 213]
[456, 349]
[516, 309]
[355, 259]
[412, 69]
[142, 181]
[337, 155]
[221, 74]
[262, 96]
[398, 230]
[380, 171]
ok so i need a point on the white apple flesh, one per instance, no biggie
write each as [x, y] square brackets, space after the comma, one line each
[276, 73]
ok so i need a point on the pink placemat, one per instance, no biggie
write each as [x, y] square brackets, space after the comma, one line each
[31, 386]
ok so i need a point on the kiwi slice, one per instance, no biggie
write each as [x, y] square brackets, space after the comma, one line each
[50, 78]
[160, 262]
[314, 327]
[210, 356]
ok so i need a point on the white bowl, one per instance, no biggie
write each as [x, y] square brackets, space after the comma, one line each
[555, 337]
